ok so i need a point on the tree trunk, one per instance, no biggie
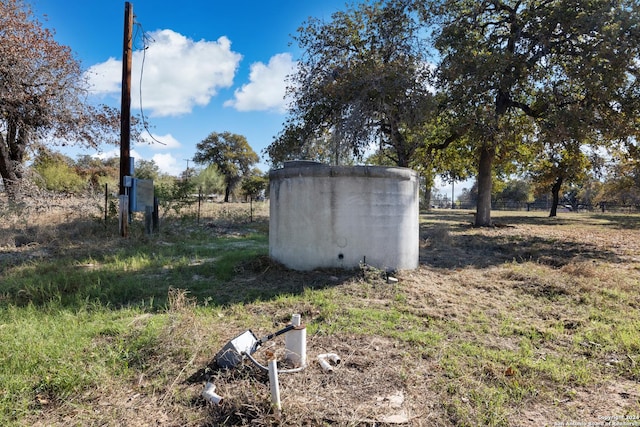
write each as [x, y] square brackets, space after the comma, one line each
[402, 150]
[555, 193]
[227, 191]
[11, 158]
[10, 179]
[427, 196]
[428, 182]
[483, 209]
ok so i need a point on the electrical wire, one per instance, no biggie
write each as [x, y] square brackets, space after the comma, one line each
[145, 39]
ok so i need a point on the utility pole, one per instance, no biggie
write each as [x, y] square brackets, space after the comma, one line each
[453, 202]
[125, 117]
[187, 172]
[125, 105]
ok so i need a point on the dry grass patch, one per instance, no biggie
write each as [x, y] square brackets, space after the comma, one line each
[536, 323]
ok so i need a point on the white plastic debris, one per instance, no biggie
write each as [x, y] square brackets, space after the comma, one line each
[209, 393]
[324, 360]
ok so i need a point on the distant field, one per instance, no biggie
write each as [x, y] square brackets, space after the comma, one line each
[534, 322]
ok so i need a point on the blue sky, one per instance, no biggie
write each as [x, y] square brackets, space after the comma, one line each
[210, 66]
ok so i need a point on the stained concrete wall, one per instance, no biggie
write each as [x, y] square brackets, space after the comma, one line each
[339, 216]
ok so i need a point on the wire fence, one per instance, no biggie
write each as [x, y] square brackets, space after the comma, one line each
[205, 210]
[55, 208]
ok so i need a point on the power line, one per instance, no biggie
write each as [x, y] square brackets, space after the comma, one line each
[145, 45]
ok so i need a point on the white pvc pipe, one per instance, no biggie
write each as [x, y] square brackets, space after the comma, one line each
[273, 384]
[209, 393]
[296, 320]
[324, 364]
[295, 342]
[331, 356]
[324, 358]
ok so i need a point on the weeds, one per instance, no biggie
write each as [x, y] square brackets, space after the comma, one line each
[526, 325]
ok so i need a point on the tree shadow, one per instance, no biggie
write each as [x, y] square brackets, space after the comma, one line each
[76, 264]
[454, 244]
[461, 219]
[84, 261]
[619, 221]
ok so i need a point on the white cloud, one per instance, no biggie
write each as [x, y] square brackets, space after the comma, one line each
[267, 87]
[105, 78]
[178, 75]
[113, 153]
[167, 163]
[160, 142]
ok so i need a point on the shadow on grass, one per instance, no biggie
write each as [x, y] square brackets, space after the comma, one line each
[79, 264]
[615, 221]
[463, 219]
[620, 221]
[449, 240]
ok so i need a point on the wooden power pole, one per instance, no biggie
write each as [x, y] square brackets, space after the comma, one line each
[125, 106]
[125, 116]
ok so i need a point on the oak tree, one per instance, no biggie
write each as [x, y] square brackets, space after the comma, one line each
[42, 94]
[622, 183]
[560, 167]
[501, 60]
[230, 153]
[255, 184]
[362, 82]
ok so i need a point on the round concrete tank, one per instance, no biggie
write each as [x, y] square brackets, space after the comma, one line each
[340, 216]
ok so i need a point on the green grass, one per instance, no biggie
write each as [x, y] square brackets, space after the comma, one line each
[66, 322]
[131, 276]
[475, 338]
[51, 353]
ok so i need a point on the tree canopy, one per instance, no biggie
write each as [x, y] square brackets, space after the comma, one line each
[42, 93]
[210, 180]
[230, 153]
[499, 81]
[361, 83]
[571, 65]
[255, 184]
